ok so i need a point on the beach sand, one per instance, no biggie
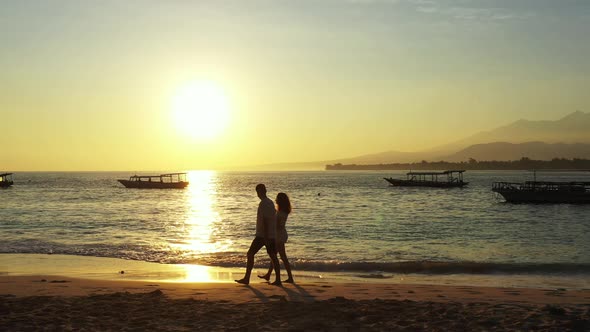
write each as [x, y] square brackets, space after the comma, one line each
[45, 302]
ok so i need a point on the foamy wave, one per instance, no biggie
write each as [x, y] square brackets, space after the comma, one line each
[238, 259]
[429, 267]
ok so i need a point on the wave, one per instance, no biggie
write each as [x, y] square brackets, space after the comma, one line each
[238, 259]
[432, 267]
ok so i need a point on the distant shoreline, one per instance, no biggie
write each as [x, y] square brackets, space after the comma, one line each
[472, 164]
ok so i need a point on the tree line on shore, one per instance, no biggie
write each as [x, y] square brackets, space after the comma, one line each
[523, 164]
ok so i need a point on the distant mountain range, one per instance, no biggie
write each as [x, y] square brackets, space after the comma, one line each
[502, 151]
[568, 137]
[573, 128]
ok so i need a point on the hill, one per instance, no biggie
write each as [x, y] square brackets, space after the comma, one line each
[503, 151]
[568, 137]
[572, 128]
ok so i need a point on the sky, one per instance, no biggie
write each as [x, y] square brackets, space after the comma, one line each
[94, 85]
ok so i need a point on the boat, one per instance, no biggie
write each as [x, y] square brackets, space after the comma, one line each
[445, 179]
[543, 192]
[162, 181]
[6, 180]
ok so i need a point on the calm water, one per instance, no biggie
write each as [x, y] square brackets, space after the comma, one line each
[342, 221]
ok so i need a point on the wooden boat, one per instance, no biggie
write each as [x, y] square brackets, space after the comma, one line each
[446, 179]
[6, 180]
[162, 181]
[543, 192]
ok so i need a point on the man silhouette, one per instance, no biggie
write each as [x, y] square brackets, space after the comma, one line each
[266, 228]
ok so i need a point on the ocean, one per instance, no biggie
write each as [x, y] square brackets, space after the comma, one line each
[342, 222]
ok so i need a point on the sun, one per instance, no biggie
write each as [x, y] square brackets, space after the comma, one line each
[201, 109]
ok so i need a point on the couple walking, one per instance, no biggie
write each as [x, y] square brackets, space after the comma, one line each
[270, 233]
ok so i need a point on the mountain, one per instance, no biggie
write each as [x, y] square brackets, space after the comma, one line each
[379, 158]
[568, 137]
[502, 151]
[573, 128]
[376, 158]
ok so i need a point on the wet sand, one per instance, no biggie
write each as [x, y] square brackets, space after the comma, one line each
[61, 303]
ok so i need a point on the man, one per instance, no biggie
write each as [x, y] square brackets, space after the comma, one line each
[266, 228]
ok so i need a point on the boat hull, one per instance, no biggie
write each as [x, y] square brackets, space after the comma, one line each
[545, 197]
[153, 185]
[6, 184]
[434, 184]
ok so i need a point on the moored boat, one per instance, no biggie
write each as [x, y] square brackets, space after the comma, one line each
[446, 179]
[6, 180]
[543, 192]
[162, 181]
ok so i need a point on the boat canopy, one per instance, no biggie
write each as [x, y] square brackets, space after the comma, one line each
[572, 183]
[434, 176]
[436, 173]
[161, 177]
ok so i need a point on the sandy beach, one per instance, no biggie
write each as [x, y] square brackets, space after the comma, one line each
[45, 302]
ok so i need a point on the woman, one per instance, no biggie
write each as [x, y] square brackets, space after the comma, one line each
[283, 210]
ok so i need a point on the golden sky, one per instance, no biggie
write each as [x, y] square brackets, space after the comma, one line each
[96, 85]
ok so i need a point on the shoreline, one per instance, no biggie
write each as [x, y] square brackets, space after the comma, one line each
[116, 269]
[259, 291]
[105, 268]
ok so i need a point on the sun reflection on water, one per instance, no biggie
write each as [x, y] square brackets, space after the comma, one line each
[198, 273]
[201, 218]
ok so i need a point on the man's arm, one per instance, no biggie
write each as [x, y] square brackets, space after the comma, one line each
[267, 217]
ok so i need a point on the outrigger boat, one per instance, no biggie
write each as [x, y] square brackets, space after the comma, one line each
[6, 180]
[543, 191]
[162, 181]
[446, 179]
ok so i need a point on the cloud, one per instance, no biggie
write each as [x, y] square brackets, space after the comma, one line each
[374, 1]
[470, 13]
[466, 10]
[427, 9]
[485, 14]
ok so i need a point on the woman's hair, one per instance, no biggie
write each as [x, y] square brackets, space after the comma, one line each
[283, 203]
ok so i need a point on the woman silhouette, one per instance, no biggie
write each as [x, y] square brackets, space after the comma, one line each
[283, 210]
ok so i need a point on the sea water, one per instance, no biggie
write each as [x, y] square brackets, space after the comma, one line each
[347, 223]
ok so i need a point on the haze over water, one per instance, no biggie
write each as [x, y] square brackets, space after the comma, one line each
[342, 221]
